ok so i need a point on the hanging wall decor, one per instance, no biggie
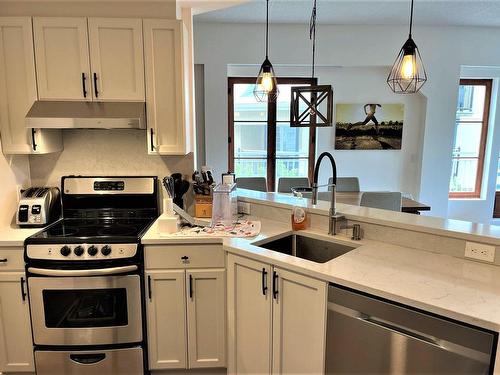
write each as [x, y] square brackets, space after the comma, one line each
[408, 74]
[311, 105]
[266, 86]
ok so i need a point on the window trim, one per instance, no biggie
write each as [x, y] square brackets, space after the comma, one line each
[488, 83]
[271, 128]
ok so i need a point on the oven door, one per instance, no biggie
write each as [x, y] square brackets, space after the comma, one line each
[85, 310]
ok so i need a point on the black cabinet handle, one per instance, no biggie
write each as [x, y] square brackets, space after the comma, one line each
[149, 287]
[264, 281]
[191, 286]
[151, 138]
[33, 141]
[96, 91]
[23, 293]
[83, 85]
[4, 260]
[275, 285]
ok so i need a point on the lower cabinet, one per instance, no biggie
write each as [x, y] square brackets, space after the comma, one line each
[16, 348]
[276, 319]
[186, 318]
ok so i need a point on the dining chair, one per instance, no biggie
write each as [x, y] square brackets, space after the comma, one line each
[345, 184]
[252, 183]
[384, 200]
[285, 184]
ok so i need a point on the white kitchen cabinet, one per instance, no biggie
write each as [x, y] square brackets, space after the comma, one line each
[18, 91]
[116, 59]
[62, 58]
[186, 306]
[276, 319]
[206, 294]
[16, 348]
[168, 90]
[249, 316]
[299, 324]
[166, 314]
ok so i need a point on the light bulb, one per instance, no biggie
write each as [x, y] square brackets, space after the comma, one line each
[267, 82]
[407, 67]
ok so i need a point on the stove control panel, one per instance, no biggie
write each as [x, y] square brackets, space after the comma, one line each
[82, 251]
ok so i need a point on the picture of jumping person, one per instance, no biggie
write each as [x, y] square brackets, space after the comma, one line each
[370, 110]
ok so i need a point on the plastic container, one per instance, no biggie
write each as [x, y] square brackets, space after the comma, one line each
[225, 206]
[300, 217]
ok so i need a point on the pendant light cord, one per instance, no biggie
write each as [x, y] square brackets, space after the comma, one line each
[411, 17]
[267, 28]
[312, 35]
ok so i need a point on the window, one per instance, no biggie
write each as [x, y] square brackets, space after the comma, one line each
[470, 138]
[261, 141]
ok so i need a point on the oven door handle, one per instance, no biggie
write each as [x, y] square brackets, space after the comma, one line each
[92, 272]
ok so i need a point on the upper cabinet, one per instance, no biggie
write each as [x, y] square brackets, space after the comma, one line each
[62, 58]
[116, 58]
[95, 59]
[168, 88]
[18, 91]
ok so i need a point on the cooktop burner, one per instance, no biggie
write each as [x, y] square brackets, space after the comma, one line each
[93, 230]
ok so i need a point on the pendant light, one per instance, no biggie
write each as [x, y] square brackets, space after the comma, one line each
[311, 106]
[266, 87]
[408, 74]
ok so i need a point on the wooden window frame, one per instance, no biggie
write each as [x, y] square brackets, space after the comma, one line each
[271, 128]
[484, 137]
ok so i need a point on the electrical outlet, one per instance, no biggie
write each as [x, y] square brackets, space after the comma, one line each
[244, 208]
[480, 251]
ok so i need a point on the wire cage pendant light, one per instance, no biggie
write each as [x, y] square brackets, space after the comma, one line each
[311, 106]
[408, 74]
[266, 86]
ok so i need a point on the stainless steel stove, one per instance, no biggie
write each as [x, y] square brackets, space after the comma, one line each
[85, 278]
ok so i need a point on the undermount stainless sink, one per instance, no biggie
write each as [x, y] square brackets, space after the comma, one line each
[308, 248]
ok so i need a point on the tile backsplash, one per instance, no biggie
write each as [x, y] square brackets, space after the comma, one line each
[104, 152]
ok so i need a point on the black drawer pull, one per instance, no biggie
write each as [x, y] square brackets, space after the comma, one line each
[96, 91]
[4, 260]
[83, 85]
[264, 281]
[149, 287]
[87, 359]
[191, 286]
[151, 138]
[33, 140]
[275, 285]
[23, 293]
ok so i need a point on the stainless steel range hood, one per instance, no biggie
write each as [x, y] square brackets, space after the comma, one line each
[88, 115]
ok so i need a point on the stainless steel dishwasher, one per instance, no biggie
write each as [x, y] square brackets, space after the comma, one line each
[368, 335]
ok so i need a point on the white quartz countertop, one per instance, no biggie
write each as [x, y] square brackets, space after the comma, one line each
[457, 288]
[419, 223]
[15, 236]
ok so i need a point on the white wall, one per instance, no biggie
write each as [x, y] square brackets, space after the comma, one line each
[444, 51]
[14, 174]
[104, 152]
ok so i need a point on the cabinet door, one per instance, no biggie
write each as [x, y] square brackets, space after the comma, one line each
[249, 316]
[16, 347]
[166, 312]
[18, 91]
[206, 312]
[116, 59]
[299, 323]
[166, 87]
[62, 58]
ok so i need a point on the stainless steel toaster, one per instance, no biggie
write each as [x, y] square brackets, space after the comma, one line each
[38, 206]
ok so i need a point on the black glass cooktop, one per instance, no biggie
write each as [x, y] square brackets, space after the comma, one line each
[93, 230]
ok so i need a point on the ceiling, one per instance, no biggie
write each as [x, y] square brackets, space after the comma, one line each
[371, 12]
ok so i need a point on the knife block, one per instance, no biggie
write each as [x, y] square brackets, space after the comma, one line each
[203, 205]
